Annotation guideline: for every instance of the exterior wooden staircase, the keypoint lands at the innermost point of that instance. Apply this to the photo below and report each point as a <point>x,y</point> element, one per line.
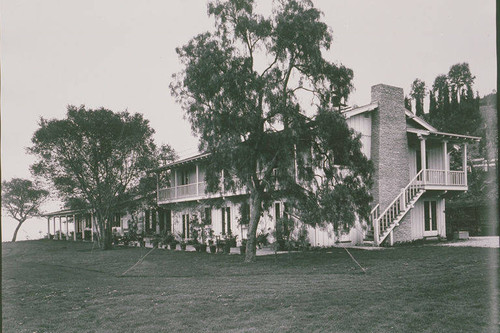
<point>383,224</point>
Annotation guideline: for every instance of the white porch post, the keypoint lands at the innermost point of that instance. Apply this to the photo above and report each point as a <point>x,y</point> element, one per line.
<point>60,227</point>
<point>222,181</point>
<point>197,181</point>
<point>157,186</point>
<point>391,238</point>
<point>175,182</point>
<point>92,227</point>
<point>446,162</point>
<point>74,224</point>
<point>295,168</point>
<point>67,228</point>
<point>54,223</point>
<point>464,162</point>
<point>157,214</point>
<point>423,155</point>
<point>48,227</point>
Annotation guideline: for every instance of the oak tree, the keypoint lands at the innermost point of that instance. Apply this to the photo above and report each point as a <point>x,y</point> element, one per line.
<point>22,199</point>
<point>96,157</point>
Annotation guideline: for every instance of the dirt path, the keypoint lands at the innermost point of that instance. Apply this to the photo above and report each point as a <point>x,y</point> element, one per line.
<point>491,242</point>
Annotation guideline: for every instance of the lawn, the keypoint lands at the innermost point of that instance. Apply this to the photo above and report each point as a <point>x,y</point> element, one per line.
<point>58,286</point>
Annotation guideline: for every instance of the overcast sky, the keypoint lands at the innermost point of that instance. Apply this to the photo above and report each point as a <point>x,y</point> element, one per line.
<point>120,54</point>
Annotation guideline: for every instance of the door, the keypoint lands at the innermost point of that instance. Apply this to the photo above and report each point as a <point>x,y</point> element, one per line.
<point>165,220</point>
<point>430,218</point>
<point>167,213</point>
<point>185,226</point>
<point>418,157</point>
<point>226,220</point>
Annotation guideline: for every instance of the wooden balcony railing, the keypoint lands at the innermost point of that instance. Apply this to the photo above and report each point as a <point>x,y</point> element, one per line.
<point>194,190</point>
<point>181,191</point>
<point>442,177</point>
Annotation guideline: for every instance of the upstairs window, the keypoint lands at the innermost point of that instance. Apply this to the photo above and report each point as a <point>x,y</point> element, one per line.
<point>184,177</point>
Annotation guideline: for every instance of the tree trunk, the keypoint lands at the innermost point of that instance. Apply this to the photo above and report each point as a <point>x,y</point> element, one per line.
<point>17,229</point>
<point>255,212</point>
<point>107,235</point>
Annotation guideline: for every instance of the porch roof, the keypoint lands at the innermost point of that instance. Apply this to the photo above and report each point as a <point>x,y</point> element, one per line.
<point>64,212</point>
<point>443,135</point>
<point>188,160</point>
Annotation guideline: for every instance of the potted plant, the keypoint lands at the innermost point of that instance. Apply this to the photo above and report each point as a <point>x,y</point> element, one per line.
<point>262,239</point>
<point>204,233</point>
<point>203,247</point>
<point>213,247</point>
<point>156,241</point>
<point>169,240</point>
<point>229,242</point>
<point>243,246</point>
<point>196,245</point>
<point>180,240</point>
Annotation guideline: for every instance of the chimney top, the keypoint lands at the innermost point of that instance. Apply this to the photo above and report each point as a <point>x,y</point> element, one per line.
<point>382,93</point>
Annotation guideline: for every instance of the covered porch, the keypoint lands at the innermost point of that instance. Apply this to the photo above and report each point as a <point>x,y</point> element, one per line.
<point>68,224</point>
<point>438,161</point>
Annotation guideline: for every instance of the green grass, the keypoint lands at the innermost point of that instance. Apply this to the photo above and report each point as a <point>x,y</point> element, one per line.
<point>51,286</point>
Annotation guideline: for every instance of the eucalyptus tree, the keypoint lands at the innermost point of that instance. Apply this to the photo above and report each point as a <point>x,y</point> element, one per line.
<point>258,91</point>
<point>418,93</point>
<point>95,157</point>
<point>22,199</point>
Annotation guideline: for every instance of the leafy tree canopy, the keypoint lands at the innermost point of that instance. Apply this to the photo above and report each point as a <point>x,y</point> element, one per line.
<point>418,93</point>
<point>247,88</point>
<point>453,107</point>
<point>22,199</point>
<point>95,157</point>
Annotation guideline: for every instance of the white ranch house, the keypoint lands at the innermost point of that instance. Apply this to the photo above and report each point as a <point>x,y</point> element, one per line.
<point>413,174</point>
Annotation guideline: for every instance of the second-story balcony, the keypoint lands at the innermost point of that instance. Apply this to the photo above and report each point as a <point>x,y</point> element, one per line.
<point>188,192</point>
<point>443,180</point>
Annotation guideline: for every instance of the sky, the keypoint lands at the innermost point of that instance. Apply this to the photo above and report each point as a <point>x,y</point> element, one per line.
<point>120,54</point>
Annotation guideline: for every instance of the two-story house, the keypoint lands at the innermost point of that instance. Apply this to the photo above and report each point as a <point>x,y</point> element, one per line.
<point>415,167</point>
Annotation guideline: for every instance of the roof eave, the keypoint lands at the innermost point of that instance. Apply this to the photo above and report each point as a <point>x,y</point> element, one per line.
<point>452,136</point>
<point>360,109</point>
<point>188,160</point>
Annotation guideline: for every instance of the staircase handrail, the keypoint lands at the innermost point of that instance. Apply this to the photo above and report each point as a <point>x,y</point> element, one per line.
<point>396,199</point>
<point>374,214</point>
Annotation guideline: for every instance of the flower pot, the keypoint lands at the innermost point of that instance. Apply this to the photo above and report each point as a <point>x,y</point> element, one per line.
<point>243,249</point>
<point>213,248</point>
<point>203,248</point>
<point>183,246</point>
<point>172,246</point>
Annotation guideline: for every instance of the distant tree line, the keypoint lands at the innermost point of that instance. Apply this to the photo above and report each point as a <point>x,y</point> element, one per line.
<point>455,108</point>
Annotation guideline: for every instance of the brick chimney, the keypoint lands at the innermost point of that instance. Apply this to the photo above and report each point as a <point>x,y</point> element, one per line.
<point>389,150</point>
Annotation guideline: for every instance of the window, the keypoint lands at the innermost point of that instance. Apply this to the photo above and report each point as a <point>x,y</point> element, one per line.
<point>146,220</point>
<point>277,210</point>
<point>207,218</point>
<point>153,219</point>
<point>116,220</point>
<point>430,216</point>
<point>244,213</point>
<point>184,177</point>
